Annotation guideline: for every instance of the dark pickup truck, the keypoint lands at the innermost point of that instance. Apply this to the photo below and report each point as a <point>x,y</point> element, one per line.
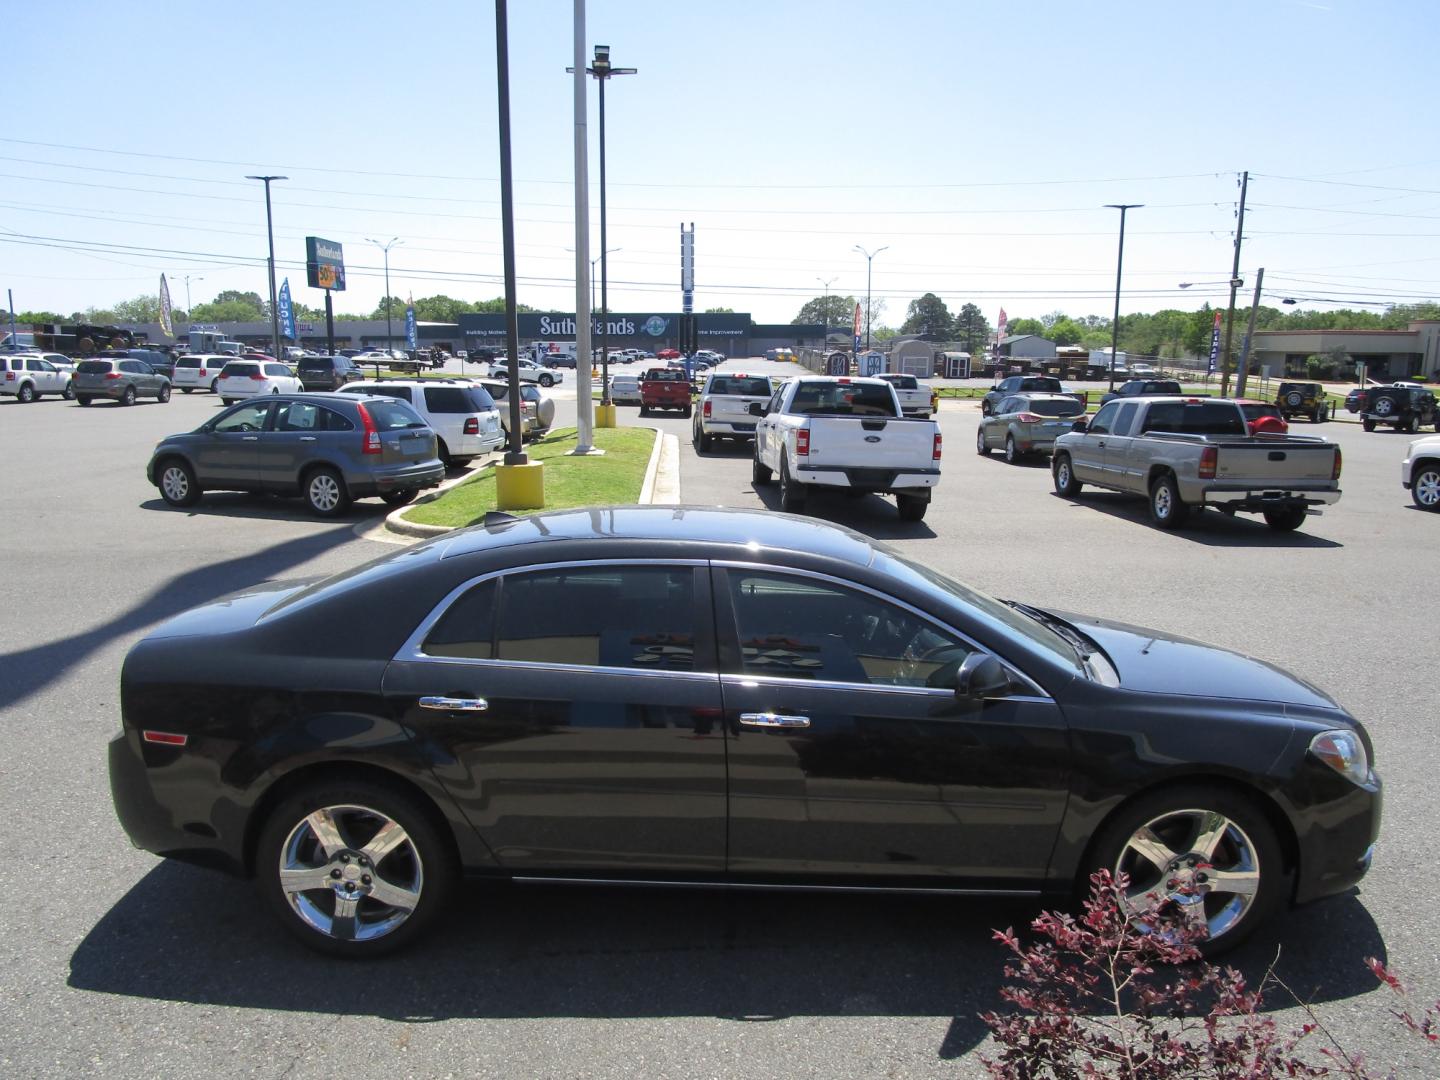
<point>664,388</point>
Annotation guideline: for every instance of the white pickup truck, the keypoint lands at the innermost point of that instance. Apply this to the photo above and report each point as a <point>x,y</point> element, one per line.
<point>913,394</point>
<point>832,432</point>
<point>724,407</point>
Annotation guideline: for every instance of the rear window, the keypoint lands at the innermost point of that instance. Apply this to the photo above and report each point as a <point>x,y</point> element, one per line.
<point>189,362</point>
<point>316,363</point>
<point>1254,412</point>
<point>901,382</point>
<point>457,399</point>
<point>240,370</point>
<point>1057,407</point>
<point>1195,418</point>
<point>400,393</point>
<point>1050,385</point>
<point>753,386</point>
<point>843,399</point>
<point>393,415</point>
<point>94,367</point>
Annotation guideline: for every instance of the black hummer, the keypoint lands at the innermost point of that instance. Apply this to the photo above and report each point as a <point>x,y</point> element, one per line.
<point>1405,408</point>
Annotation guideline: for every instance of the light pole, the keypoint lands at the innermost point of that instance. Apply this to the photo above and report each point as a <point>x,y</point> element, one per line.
<point>1119,263</point>
<point>601,69</point>
<point>593,263</point>
<point>869,260</point>
<point>385,247</point>
<point>188,278</point>
<point>825,310</point>
<point>270,231</point>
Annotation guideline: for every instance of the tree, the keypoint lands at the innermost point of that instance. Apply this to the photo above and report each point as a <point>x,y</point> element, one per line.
<point>1020,327</point>
<point>972,328</point>
<point>496,306</point>
<point>397,309</point>
<point>29,318</point>
<point>1065,330</point>
<point>220,311</point>
<point>252,300</point>
<point>930,318</point>
<point>831,310</point>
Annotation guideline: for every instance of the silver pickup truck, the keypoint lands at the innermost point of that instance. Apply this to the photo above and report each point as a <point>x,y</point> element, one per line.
<point>1183,453</point>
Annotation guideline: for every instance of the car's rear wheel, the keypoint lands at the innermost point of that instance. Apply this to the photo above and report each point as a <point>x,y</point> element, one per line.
<point>1166,509</point>
<point>83,399</point>
<point>911,507</point>
<point>1287,520</point>
<point>325,493</point>
<point>186,389</point>
<point>215,385</point>
<point>26,394</point>
<point>547,380</point>
<point>702,441</point>
<point>644,411</point>
<point>980,446</point>
<point>792,494</point>
<point>687,412</point>
<point>128,398</point>
<point>1368,425</point>
<point>760,475</point>
<point>1425,488</point>
<point>443,452</point>
<point>1413,424</point>
<point>1064,475</point>
<point>398,498</point>
<point>1212,854</point>
<point>178,486</point>
<point>354,868</point>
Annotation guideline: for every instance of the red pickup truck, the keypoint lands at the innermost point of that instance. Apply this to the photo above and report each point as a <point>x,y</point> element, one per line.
<point>664,388</point>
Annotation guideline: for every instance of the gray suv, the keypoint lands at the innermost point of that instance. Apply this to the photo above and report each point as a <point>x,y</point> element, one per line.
<point>120,379</point>
<point>327,372</point>
<point>330,449</point>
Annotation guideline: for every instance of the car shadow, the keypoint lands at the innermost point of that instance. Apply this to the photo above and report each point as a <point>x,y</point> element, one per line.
<point>1209,528</point>
<point>240,504</point>
<point>30,670</point>
<point>593,952</point>
<point>873,515</point>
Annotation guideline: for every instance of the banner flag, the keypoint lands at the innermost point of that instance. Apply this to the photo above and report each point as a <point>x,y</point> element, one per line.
<point>167,325</point>
<point>412,331</point>
<point>857,328</point>
<point>1214,345</point>
<point>287,312</point>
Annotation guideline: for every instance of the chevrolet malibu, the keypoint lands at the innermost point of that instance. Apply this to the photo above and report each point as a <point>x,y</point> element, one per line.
<point>718,697</point>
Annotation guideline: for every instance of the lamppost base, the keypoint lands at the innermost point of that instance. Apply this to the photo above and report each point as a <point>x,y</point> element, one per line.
<point>520,487</point>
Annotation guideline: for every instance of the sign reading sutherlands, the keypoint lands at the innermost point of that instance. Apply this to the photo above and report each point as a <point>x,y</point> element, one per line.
<point>643,326</point>
<point>324,264</point>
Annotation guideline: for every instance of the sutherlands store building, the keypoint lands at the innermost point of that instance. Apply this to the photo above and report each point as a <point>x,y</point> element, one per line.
<point>1386,354</point>
<point>730,334</point>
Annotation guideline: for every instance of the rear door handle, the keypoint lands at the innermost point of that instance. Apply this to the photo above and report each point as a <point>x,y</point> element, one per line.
<point>455,704</point>
<point>307,438</point>
<point>773,720</point>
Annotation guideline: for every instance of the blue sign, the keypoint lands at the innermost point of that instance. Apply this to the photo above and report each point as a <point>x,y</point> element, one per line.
<point>412,332</point>
<point>1214,345</point>
<point>287,312</point>
<point>857,344</point>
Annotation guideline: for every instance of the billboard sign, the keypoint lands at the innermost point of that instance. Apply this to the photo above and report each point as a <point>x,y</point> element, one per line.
<point>324,264</point>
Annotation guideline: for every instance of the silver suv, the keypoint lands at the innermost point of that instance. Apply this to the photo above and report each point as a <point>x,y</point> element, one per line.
<point>464,416</point>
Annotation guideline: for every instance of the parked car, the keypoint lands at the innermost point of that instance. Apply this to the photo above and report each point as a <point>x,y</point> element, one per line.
<point>59,361</point>
<point>1420,472</point>
<point>1188,453</point>
<point>1136,388</point>
<point>330,449</point>
<point>1027,424</point>
<point>1355,399</point>
<point>1404,408</point>
<point>667,354</point>
<point>160,362</point>
<point>465,418</point>
<point>30,376</point>
<point>1019,384</point>
<point>251,378</point>
<point>199,371</point>
<point>665,388</point>
<point>915,396</point>
<point>120,379</point>
<point>533,699</point>
<point>319,373</point>
<point>724,407</point>
<point>1303,399</point>
<point>625,389</point>
<point>1261,416</point>
<point>539,404</point>
<point>529,409</point>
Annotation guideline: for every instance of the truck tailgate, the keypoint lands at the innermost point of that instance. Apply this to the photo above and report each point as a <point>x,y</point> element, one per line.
<point>1282,463</point>
<point>872,442</point>
<point>734,409</point>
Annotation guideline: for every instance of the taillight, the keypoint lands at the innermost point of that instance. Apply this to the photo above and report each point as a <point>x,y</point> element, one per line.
<point>706,412</point>
<point>472,426</point>
<point>371,436</point>
<point>9,376</point>
<point>935,453</point>
<point>1208,457</point>
<point>802,442</point>
<point>202,372</point>
<point>164,738</point>
<point>112,374</point>
<point>1336,474</point>
<point>1029,418</point>
<point>257,378</point>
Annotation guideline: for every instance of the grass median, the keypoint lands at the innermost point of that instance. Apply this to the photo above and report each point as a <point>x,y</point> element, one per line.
<point>615,477</point>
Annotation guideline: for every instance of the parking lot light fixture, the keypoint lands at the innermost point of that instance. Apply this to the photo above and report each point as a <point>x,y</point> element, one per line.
<point>270,233</point>
<point>825,305</point>
<point>1119,264</point>
<point>869,260</point>
<point>385,247</point>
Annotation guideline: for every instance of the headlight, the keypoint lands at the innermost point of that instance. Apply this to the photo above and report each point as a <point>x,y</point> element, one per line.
<point>1344,752</point>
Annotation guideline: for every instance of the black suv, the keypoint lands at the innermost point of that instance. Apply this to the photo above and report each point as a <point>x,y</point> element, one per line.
<point>318,373</point>
<point>1405,408</point>
<point>1303,399</point>
<point>1144,388</point>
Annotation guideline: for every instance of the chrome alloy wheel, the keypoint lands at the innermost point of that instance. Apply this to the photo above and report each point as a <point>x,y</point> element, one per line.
<point>324,492</point>
<point>1164,504</point>
<point>1201,861</point>
<point>1427,489</point>
<point>351,873</point>
<point>175,483</point>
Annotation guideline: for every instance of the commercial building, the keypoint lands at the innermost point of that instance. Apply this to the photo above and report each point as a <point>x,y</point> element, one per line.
<point>1386,354</point>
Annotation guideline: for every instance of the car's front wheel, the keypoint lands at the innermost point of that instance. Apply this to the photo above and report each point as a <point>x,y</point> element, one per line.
<point>1425,488</point>
<point>1209,854</point>
<point>177,484</point>
<point>354,868</point>
<point>325,493</point>
<point>547,381</point>
<point>981,446</point>
<point>1064,474</point>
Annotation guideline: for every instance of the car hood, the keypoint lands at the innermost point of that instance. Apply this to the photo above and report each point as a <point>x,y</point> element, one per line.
<point>1152,661</point>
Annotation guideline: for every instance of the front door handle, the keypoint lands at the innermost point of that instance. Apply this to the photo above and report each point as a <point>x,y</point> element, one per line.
<point>250,438</point>
<point>773,720</point>
<point>307,438</point>
<point>455,704</point>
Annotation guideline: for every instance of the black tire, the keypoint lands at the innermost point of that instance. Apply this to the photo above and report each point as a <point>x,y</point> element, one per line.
<point>792,494</point>
<point>325,493</point>
<point>1367,424</point>
<point>1413,424</point>
<point>83,399</point>
<point>421,866</point>
<point>26,394</point>
<point>687,412</point>
<point>1287,520</point>
<point>1177,819</point>
<point>984,407</point>
<point>1166,509</point>
<point>644,411</point>
<point>398,498</point>
<point>1425,487</point>
<point>1012,452</point>
<point>69,392</point>
<point>186,389</point>
<point>702,441</point>
<point>760,475</point>
<point>164,394</point>
<point>911,507</point>
<point>177,483</point>
<point>980,447</point>
<point>128,398</point>
<point>547,381</point>
<point>215,385</point>
<point>1063,473</point>
<point>443,452</point>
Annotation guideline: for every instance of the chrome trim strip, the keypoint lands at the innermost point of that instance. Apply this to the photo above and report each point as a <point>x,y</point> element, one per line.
<point>769,887</point>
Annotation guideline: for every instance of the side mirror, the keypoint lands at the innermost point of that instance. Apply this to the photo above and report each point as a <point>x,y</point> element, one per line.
<point>1080,425</point>
<point>981,676</point>
<point>757,408</point>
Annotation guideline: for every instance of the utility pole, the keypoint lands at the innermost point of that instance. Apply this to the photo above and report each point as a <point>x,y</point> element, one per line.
<point>869,261</point>
<point>1244,371</point>
<point>270,231</point>
<point>825,309</point>
<point>385,247</point>
<point>1235,283</point>
<point>1119,266</point>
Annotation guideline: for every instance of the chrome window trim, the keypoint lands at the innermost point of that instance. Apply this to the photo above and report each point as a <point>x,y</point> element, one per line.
<point>889,599</point>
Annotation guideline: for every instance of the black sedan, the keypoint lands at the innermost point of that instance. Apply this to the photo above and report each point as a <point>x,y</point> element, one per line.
<point>722,697</point>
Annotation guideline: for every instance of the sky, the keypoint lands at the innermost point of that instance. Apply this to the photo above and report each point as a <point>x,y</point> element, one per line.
<point>977,144</point>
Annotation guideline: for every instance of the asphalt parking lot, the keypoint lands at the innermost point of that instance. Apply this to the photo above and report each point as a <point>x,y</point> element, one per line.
<point>118,964</point>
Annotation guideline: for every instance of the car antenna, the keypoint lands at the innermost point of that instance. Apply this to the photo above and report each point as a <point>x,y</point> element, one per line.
<point>494,518</point>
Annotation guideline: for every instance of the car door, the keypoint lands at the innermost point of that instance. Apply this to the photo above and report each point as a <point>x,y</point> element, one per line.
<point>1120,464</point>
<point>853,758</point>
<point>290,439</point>
<point>227,452</point>
<point>1087,449</point>
<point>572,710</point>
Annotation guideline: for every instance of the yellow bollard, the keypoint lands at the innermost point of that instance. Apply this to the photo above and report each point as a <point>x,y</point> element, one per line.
<point>605,415</point>
<point>520,487</point>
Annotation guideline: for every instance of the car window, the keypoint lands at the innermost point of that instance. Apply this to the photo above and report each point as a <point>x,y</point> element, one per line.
<point>1055,406</point>
<point>299,416</point>
<point>276,369</point>
<point>1102,422</point>
<point>239,370</point>
<point>244,419</point>
<point>595,616</point>
<point>393,415</point>
<point>804,628</point>
<point>1195,417</point>
<point>401,393</point>
<point>1125,418</point>
<point>93,367</point>
<point>842,399</point>
<point>335,422</point>
<point>1008,405</point>
<point>448,399</point>
<point>739,384</point>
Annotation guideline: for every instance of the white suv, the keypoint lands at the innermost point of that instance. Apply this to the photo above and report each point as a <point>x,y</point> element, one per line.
<point>29,375</point>
<point>464,416</point>
<point>199,371</point>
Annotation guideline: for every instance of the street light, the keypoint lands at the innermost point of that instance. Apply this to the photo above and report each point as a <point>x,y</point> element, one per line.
<point>270,231</point>
<point>593,262</point>
<point>188,279</point>
<point>1119,264</point>
<point>386,249</point>
<point>825,311</point>
<point>869,259</point>
<point>601,69</point>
